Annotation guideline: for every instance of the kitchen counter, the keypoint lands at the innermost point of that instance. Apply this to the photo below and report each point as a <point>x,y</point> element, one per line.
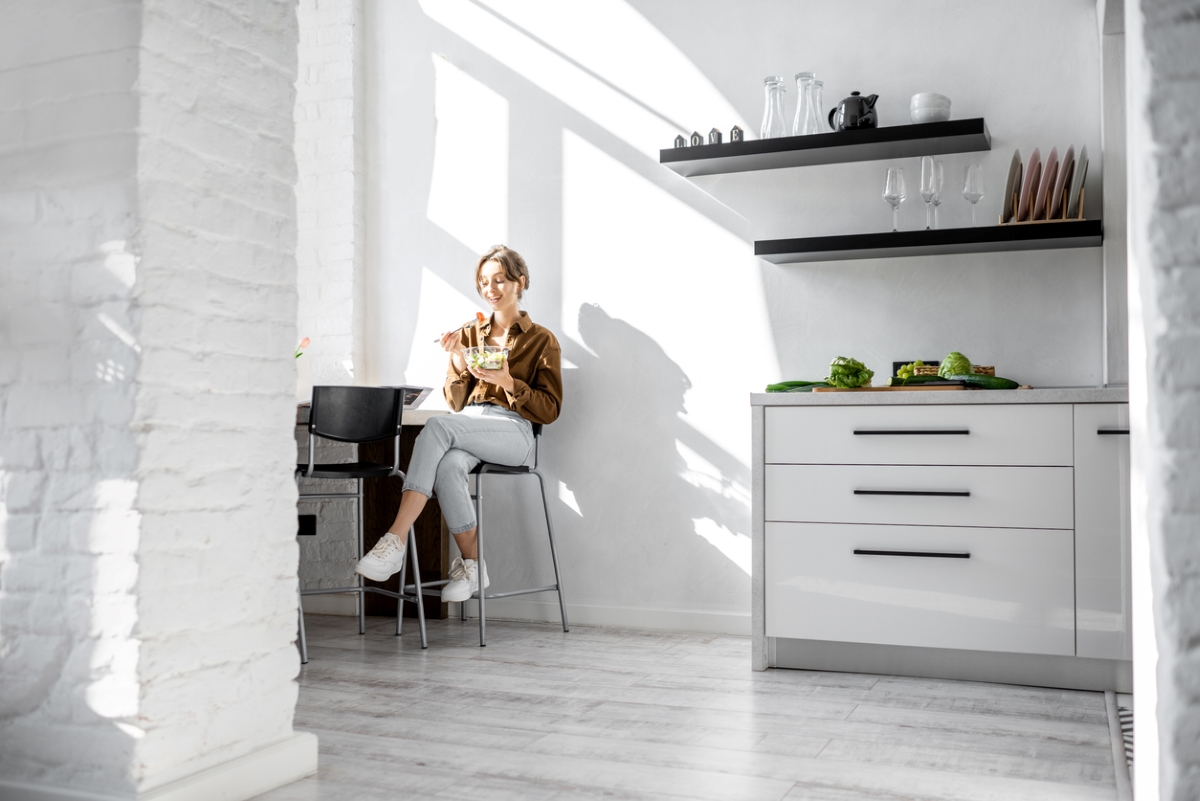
<point>944,397</point>
<point>1017,550</point>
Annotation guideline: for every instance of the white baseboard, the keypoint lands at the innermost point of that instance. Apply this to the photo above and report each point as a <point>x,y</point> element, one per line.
<point>236,780</point>
<point>627,617</point>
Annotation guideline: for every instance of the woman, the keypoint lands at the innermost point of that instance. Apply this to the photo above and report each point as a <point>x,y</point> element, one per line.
<point>496,409</point>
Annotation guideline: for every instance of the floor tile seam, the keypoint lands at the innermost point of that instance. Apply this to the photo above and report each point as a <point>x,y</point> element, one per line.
<point>443,676</point>
<point>981,717</point>
<point>953,751</point>
<point>737,770</point>
<point>571,691</point>
<point>568,786</point>
<point>694,772</point>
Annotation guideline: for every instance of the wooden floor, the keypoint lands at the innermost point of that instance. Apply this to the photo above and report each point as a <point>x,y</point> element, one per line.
<point>620,714</point>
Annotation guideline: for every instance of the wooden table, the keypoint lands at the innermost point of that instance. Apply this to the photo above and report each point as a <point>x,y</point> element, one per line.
<point>381,499</point>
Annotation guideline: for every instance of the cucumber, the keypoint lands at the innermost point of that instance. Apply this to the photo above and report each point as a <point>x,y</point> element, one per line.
<point>897,381</point>
<point>985,381</point>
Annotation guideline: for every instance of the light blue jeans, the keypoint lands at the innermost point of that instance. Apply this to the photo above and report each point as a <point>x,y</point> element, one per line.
<point>452,445</point>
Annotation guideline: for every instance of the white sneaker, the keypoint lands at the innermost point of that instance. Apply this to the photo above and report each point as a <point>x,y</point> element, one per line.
<point>464,580</point>
<point>384,560</point>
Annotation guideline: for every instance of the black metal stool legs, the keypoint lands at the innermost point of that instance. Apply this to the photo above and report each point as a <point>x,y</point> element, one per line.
<point>303,639</point>
<point>416,598</point>
<point>479,555</point>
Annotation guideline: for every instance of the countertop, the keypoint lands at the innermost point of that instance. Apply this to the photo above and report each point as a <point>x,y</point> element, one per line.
<point>1114,394</point>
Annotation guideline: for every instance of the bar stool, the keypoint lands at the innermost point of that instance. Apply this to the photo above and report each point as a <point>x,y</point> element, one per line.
<point>359,415</point>
<point>481,470</point>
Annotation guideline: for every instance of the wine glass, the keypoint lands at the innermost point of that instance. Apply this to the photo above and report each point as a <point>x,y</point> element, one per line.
<point>894,193</point>
<point>939,181</point>
<point>927,188</point>
<point>973,187</point>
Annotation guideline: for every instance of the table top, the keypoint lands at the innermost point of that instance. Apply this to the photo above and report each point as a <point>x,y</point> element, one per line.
<point>415,417</point>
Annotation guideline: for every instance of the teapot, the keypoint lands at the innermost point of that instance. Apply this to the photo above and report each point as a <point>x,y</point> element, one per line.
<point>854,112</point>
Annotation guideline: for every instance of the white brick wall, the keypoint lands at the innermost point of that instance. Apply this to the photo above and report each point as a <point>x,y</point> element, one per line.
<point>329,255</point>
<point>1163,67</point>
<point>68,458</point>
<point>147,556</point>
<point>329,192</point>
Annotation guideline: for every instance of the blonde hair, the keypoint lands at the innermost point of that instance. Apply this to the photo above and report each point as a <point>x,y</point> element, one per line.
<point>514,266</point>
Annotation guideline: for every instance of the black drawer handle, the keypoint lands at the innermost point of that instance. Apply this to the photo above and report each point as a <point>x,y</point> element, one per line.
<point>1112,431</point>
<point>941,494</point>
<point>922,554</point>
<point>912,432</point>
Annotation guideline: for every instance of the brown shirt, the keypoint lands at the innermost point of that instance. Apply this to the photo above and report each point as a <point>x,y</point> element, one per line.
<point>534,360</point>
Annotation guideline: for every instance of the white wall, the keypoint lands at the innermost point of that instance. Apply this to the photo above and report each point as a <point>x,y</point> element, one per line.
<point>147,532</point>
<point>539,125</point>
<point>329,190</point>
<point>68,457</point>
<point>1163,72</point>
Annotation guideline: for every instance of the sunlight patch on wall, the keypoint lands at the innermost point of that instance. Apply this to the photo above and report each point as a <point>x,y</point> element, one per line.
<point>441,307</point>
<point>113,533</point>
<point>468,197</point>
<point>704,474</point>
<point>568,498</point>
<point>735,547</point>
<point>678,279</point>
<point>571,85</point>
<point>585,32</point>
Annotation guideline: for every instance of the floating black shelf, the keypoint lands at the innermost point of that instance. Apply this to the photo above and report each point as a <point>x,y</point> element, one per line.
<point>873,144</point>
<point>892,244</point>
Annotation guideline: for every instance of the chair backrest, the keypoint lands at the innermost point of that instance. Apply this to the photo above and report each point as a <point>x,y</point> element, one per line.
<point>356,414</point>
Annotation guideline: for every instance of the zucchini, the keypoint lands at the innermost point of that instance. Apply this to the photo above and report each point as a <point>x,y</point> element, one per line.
<point>897,381</point>
<point>985,381</point>
<point>794,386</point>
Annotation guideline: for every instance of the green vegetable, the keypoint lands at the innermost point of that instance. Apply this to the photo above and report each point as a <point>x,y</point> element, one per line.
<point>954,364</point>
<point>795,386</point>
<point>899,381</point>
<point>848,373</point>
<point>984,381</point>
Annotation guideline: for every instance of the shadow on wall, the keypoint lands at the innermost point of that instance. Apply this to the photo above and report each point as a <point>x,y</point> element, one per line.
<point>617,451</point>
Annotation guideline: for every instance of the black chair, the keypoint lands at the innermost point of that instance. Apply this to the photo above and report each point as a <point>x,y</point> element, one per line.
<point>487,468</point>
<point>358,415</point>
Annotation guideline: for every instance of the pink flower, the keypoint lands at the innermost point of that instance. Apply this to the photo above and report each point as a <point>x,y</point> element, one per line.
<point>304,343</point>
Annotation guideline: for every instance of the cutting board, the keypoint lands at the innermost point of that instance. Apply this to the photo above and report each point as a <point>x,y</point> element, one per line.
<point>913,388</point>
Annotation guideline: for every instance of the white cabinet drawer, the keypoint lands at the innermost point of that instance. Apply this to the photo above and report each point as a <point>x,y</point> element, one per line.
<point>995,497</point>
<point>1103,598</point>
<point>1014,593</point>
<point>1013,434</point>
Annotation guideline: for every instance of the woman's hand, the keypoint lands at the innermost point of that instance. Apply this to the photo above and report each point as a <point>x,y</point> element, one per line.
<point>501,378</point>
<point>451,342</point>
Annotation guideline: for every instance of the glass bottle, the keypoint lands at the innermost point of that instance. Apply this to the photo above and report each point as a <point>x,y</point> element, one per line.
<point>814,113</point>
<point>803,82</point>
<point>773,124</point>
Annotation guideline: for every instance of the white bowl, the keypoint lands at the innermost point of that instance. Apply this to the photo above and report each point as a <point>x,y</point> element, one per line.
<point>920,115</point>
<point>925,99</point>
<point>914,106</point>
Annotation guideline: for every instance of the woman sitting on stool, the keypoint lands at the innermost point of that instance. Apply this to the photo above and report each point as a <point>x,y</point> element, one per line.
<point>496,409</point>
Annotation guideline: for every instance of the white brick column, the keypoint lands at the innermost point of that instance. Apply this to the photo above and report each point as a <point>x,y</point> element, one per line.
<point>147,511</point>
<point>1163,90</point>
<point>329,192</point>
